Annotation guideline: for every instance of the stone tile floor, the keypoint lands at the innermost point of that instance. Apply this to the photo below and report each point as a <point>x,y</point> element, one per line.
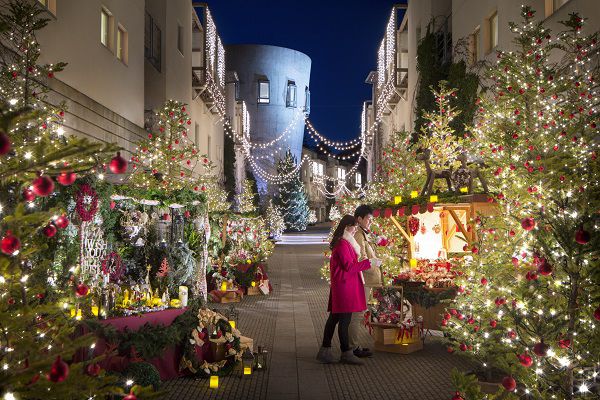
<point>289,323</point>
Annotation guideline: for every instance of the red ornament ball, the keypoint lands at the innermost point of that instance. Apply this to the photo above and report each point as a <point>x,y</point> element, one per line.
<point>544,267</point>
<point>541,349</point>
<point>5,144</point>
<point>59,371</point>
<point>130,396</point>
<point>582,236</point>
<point>43,186</point>
<point>66,178</point>
<point>484,281</point>
<point>93,369</point>
<point>82,290</point>
<point>62,222</point>
<point>597,313</point>
<point>493,323</point>
<point>49,230</point>
<point>528,223</point>
<point>10,243</point>
<point>509,383</point>
<point>112,205</point>
<point>462,347</point>
<point>564,343</point>
<point>28,195</point>
<point>525,360</point>
<point>457,396</point>
<point>118,165</point>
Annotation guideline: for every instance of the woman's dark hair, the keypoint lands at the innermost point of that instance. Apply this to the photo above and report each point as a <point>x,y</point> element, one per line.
<point>347,220</point>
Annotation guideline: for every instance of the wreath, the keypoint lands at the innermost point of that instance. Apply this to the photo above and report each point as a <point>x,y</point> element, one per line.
<point>213,332</point>
<point>86,202</point>
<point>112,265</point>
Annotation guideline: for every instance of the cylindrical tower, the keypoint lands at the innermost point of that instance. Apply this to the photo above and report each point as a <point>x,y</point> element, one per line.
<point>274,82</point>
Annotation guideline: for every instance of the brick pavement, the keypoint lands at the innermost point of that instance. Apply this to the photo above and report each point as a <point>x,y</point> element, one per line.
<point>290,321</point>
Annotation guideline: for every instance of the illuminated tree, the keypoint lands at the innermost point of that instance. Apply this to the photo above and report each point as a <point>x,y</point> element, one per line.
<point>291,197</point>
<point>245,199</point>
<point>528,302</point>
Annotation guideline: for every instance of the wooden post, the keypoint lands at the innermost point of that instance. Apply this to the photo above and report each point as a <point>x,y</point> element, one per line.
<point>409,238</point>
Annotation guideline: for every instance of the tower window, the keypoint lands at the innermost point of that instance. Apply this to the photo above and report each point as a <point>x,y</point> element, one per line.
<point>290,99</point>
<point>263,92</point>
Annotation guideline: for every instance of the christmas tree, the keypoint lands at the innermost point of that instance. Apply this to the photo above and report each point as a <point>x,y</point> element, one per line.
<point>528,303</point>
<point>38,335</point>
<point>245,199</point>
<point>274,220</point>
<point>291,196</point>
<point>167,160</point>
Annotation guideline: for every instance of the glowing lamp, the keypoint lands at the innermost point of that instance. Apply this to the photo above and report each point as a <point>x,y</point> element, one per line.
<point>414,194</point>
<point>433,198</point>
<point>253,284</point>
<point>397,199</point>
<point>464,189</point>
<point>95,310</point>
<point>214,382</point>
<point>247,362</point>
<point>413,263</point>
<point>232,323</point>
<point>223,286</point>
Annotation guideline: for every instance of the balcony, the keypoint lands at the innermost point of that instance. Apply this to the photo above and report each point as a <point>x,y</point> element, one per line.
<point>208,60</point>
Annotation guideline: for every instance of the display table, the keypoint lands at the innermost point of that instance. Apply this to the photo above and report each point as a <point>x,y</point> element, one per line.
<point>167,364</point>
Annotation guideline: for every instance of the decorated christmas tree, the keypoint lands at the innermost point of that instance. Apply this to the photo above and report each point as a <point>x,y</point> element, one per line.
<point>167,160</point>
<point>274,220</point>
<point>291,196</point>
<point>528,303</point>
<point>245,199</point>
<point>38,340</point>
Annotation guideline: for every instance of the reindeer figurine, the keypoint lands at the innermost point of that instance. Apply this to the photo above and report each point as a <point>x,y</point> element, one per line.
<point>465,175</point>
<point>433,174</point>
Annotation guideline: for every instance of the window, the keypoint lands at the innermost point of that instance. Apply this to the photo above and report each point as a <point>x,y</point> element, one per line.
<point>318,169</point>
<point>197,134</point>
<point>105,27</point>
<point>49,4</point>
<point>358,179</point>
<point>493,22</point>
<point>180,38</point>
<point>307,100</point>
<point>263,92</point>
<point>152,42</point>
<point>475,46</point>
<point>341,173</point>
<point>290,99</point>
<point>122,49</point>
<point>208,146</point>
<point>237,90</point>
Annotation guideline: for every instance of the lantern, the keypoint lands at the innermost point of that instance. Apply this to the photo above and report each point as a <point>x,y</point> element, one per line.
<point>247,362</point>
<point>214,382</point>
<point>397,199</point>
<point>414,194</point>
<point>433,198</point>
<point>176,226</point>
<point>260,359</point>
<point>232,316</point>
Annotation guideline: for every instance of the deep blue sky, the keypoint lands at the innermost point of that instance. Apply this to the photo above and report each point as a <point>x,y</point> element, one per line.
<point>340,37</point>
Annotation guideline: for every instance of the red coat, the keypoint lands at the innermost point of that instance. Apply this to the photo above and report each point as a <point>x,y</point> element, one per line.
<point>347,293</point>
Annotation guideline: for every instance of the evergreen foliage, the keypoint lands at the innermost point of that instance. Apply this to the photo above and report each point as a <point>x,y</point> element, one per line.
<point>291,196</point>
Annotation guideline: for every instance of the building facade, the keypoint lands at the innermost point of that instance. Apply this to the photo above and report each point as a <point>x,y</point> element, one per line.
<point>125,59</point>
<point>479,25</point>
<point>274,84</point>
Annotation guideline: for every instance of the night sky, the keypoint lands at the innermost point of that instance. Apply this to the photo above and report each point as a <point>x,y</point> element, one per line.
<point>340,37</point>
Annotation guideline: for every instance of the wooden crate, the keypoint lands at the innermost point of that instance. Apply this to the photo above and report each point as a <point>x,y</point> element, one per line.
<point>253,291</point>
<point>386,339</point>
<point>432,316</point>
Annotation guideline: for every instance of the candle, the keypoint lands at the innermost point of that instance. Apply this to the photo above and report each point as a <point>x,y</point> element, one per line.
<point>253,284</point>
<point>214,382</point>
<point>232,323</point>
<point>464,189</point>
<point>397,199</point>
<point>247,371</point>
<point>95,310</point>
<point>433,198</point>
<point>414,194</point>
<point>224,286</point>
<point>183,295</point>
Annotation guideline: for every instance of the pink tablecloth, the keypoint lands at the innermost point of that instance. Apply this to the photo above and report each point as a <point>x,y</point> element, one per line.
<point>167,364</point>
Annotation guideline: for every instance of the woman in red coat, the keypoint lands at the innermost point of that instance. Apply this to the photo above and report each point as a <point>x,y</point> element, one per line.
<point>347,293</point>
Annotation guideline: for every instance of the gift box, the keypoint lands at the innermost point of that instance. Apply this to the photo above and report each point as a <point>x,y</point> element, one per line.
<point>394,339</point>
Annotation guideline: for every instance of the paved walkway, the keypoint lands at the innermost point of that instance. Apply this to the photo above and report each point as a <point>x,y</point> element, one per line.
<point>289,323</point>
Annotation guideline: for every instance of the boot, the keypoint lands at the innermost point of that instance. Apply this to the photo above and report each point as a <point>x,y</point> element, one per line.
<point>325,356</point>
<point>348,357</point>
